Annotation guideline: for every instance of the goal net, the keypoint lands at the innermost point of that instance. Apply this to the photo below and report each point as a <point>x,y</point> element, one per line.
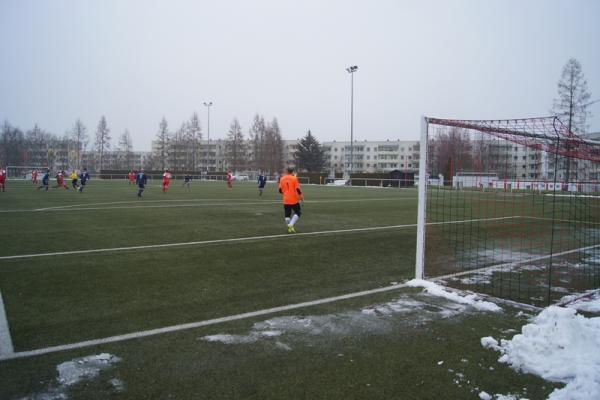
<point>509,208</point>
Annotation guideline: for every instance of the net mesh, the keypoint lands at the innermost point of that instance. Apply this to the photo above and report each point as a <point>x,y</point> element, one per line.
<point>513,208</point>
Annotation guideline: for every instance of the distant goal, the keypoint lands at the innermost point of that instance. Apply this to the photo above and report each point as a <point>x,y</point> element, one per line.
<point>510,208</point>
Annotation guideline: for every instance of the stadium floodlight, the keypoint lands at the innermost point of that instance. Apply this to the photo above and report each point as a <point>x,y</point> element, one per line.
<point>351,70</point>
<point>497,214</point>
<point>208,105</point>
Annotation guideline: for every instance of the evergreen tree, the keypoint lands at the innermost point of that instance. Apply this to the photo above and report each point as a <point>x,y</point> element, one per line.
<point>310,154</point>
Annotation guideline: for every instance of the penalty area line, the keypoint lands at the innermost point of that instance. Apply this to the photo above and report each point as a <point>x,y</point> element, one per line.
<point>242,239</point>
<point>193,325</point>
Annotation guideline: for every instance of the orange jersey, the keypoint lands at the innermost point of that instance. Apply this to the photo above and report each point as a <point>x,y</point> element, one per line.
<point>289,187</point>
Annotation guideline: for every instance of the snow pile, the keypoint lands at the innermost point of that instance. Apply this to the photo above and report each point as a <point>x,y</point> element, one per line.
<point>471,299</point>
<point>588,302</point>
<point>77,370</point>
<point>560,346</point>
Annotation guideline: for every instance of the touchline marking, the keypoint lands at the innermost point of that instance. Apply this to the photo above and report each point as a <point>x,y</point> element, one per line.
<point>83,207</point>
<point>193,325</point>
<point>124,202</point>
<point>6,345</point>
<point>242,239</point>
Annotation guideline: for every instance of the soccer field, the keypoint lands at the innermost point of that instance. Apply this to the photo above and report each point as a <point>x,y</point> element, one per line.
<point>105,272</point>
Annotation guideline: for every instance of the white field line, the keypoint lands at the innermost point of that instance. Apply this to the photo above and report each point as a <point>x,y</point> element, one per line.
<point>587,196</point>
<point>83,207</point>
<point>192,325</point>
<point>513,263</point>
<point>126,202</point>
<point>242,239</point>
<point>571,221</point>
<point>6,345</point>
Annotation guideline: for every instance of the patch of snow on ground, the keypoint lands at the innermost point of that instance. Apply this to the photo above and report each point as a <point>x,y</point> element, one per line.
<point>77,370</point>
<point>470,299</point>
<point>560,346</point>
<point>373,319</point>
<point>71,372</point>
<point>485,396</point>
<point>588,301</point>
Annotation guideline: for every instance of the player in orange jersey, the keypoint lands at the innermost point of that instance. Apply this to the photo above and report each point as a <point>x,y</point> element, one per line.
<point>131,178</point>
<point>289,187</point>
<point>166,181</point>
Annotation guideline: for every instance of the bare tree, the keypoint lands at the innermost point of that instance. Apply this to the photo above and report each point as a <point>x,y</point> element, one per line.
<point>193,138</point>
<point>452,153</point>
<point>573,96</point>
<point>102,141</point>
<point>79,137</point>
<point>178,154</point>
<point>125,151</point>
<point>38,145</point>
<point>257,135</point>
<point>235,147</point>
<point>161,148</point>
<point>571,104</point>
<point>273,148</point>
<point>13,149</point>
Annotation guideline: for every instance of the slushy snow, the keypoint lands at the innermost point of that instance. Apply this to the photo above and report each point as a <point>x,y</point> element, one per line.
<point>558,345</point>
<point>471,299</point>
<point>75,371</point>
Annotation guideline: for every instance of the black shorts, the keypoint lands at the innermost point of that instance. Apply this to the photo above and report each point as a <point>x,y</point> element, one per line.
<point>292,207</point>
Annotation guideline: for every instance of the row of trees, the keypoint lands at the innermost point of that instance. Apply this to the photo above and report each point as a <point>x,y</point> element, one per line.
<point>261,150</point>
<point>38,147</point>
<point>179,150</point>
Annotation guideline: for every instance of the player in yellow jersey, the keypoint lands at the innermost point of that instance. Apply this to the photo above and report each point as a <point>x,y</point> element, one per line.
<point>74,178</point>
<point>289,187</point>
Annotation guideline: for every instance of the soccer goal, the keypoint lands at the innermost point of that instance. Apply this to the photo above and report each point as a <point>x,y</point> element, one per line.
<point>509,208</point>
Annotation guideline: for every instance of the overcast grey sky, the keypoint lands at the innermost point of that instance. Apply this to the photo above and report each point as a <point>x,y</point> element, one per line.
<point>137,61</point>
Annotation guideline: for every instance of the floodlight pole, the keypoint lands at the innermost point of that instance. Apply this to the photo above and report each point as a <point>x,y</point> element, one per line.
<point>421,220</point>
<point>208,105</point>
<point>351,70</point>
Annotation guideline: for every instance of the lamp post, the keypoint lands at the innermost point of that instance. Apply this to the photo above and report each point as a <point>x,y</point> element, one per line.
<point>351,70</point>
<point>208,105</point>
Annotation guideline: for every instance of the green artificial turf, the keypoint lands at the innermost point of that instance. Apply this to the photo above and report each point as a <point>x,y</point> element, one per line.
<point>62,299</point>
